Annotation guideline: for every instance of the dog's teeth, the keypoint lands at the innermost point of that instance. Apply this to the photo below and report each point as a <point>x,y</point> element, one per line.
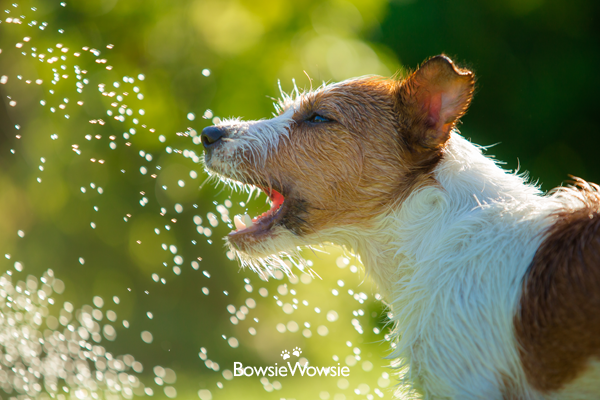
<point>239,224</point>
<point>247,220</point>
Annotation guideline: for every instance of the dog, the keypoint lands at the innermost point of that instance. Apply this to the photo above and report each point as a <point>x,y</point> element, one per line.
<point>494,287</point>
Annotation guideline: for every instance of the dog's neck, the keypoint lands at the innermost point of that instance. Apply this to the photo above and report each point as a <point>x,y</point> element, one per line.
<point>452,258</point>
<point>466,184</point>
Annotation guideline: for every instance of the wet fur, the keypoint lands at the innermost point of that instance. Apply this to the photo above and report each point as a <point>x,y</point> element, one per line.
<point>493,286</point>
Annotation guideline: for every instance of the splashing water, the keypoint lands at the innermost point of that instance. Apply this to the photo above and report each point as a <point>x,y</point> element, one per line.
<point>38,361</point>
<point>94,127</point>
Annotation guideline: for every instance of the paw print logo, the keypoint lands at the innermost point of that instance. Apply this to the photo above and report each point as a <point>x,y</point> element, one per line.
<point>297,351</point>
<point>285,354</point>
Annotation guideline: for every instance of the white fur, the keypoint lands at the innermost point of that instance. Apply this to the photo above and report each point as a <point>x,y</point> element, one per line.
<point>451,262</point>
<point>257,137</point>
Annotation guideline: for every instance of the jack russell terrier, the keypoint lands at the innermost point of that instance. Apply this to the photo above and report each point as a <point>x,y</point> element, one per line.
<point>494,286</point>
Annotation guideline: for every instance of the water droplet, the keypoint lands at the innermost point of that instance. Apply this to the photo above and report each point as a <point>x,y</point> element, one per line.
<point>322,330</point>
<point>147,337</point>
<point>292,326</point>
<point>332,316</point>
<point>170,392</point>
<point>191,116</point>
<point>206,72</point>
<point>98,301</point>
<point>282,289</point>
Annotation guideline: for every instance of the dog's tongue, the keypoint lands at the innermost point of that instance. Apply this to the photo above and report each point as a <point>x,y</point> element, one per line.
<point>277,199</point>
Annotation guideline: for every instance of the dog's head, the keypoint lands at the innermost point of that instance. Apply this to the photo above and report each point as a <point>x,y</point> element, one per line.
<point>338,156</point>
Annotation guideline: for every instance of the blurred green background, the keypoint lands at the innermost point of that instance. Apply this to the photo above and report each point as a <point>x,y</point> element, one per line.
<point>535,101</point>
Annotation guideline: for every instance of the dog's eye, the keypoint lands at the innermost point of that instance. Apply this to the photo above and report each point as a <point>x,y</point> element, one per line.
<point>316,118</point>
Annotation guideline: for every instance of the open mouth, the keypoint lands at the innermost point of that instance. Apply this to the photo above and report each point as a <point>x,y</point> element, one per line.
<point>260,225</point>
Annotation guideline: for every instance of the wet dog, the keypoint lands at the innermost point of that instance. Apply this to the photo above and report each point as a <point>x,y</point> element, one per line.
<point>494,287</point>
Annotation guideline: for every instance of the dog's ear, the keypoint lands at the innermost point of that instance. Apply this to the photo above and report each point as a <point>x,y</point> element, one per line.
<point>432,99</point>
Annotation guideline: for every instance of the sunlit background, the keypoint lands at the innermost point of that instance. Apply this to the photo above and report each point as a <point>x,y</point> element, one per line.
<point>116,282</point>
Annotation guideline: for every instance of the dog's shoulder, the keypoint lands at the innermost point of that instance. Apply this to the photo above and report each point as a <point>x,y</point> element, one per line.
<point>558,324</point>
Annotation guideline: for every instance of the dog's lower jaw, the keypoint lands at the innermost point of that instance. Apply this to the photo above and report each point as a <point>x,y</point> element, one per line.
<point>273,251</point>
<point>258,246</point>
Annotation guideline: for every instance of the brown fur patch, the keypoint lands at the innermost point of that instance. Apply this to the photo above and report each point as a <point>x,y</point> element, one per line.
<point>330,166</point>
<point>558,326</point>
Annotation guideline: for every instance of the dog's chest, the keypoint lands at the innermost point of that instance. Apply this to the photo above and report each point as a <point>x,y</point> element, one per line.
<point>459,286</point>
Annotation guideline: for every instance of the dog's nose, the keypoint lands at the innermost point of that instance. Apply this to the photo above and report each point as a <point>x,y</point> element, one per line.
<point>211,135</point>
